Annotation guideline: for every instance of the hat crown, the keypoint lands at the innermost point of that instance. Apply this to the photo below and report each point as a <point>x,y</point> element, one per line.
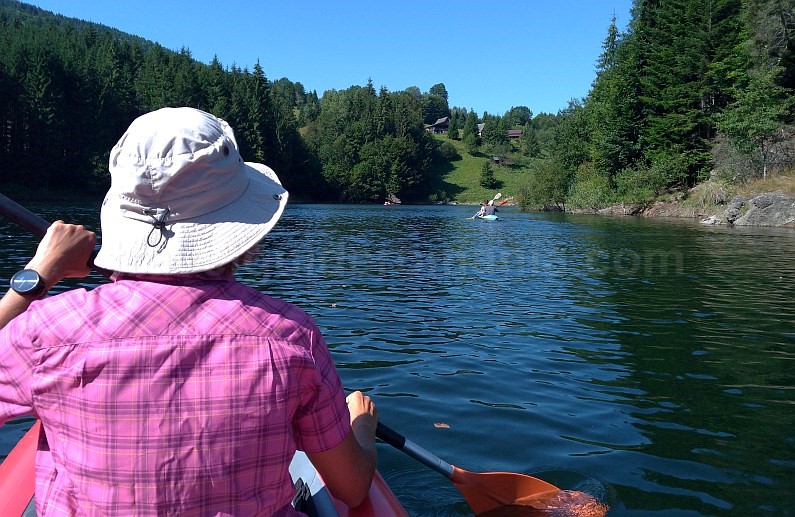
<point>174,156</point>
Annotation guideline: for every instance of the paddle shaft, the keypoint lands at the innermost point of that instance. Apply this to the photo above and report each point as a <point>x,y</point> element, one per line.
<point>23,217</point>
<point>401,443</point>
<point>36,225</point>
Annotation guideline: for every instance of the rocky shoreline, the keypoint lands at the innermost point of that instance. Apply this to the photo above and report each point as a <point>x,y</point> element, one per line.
<point>768,209</point>
<point>764,209</point>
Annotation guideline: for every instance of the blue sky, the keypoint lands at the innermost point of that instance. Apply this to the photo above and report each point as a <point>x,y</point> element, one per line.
<point>490,54</point>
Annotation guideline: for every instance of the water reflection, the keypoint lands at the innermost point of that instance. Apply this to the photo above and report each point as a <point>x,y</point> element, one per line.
<point>691,336</point>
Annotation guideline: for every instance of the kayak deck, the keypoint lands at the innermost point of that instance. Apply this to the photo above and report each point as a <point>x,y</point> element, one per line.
<point>380,502</point>
<point>17,483</point>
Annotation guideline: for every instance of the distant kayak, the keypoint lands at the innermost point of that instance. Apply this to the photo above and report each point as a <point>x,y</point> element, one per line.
<point>17,485</point>
<point>487,217</point>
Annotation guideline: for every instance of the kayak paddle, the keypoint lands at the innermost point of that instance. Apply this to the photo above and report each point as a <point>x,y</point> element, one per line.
<point>483,492</point>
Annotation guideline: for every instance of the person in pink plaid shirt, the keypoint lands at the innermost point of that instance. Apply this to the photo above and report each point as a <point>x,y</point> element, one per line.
<point>175,389</point>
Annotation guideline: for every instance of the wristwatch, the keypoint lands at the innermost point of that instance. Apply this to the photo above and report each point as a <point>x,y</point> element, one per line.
<point>28,283</point>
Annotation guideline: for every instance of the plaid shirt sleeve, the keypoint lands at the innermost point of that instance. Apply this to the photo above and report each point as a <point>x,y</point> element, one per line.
<point>15,370</point>
<point>322,420</point>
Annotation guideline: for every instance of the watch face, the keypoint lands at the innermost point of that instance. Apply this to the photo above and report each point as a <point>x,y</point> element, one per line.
<point>26,281</point>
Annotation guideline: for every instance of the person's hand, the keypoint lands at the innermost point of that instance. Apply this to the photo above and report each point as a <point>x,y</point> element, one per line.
<point>348,467</point>
<point>364,416</point>
<point>63,253</point>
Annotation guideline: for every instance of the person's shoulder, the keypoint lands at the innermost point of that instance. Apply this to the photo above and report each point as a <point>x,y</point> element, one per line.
<point>61,311</point>
<point>276,306</point>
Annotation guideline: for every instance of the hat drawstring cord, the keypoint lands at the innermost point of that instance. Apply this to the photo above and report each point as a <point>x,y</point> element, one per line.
<point>159,223</point>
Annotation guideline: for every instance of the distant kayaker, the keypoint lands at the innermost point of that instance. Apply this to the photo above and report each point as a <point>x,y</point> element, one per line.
<point>175,389</point>
<point>486,208</point>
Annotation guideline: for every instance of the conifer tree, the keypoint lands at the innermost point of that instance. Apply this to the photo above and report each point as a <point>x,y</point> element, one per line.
<point>470,131</point>
<point>529,142</point>
<point>613,108</point>
<point>487,179</point>
<point>756,120</point>
<point>452,129</point>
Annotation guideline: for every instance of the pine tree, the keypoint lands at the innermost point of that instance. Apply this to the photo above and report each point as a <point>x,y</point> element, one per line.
<point>487,179</point>
<point>756,120</point>
<point>452,129</point>
<point>494,134</point>
<point>613,109</point>
<point>470,131</point>
<point>675,43</point>
<point>215,84</point>
<point>529,142</point>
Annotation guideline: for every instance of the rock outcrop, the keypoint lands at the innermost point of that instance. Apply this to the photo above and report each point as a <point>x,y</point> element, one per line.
<point>768,209</point>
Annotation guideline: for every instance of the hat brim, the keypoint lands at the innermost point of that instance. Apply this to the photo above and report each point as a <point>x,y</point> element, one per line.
<point>200,244</point>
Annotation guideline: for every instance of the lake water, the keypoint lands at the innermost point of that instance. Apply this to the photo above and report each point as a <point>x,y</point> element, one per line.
<point>648,362</point>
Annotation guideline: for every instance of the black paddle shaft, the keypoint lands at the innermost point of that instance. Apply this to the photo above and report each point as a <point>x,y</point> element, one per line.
<point>36,225</point>
<point>401,443</point>
<point>23,217</point>
<point>391,437</point>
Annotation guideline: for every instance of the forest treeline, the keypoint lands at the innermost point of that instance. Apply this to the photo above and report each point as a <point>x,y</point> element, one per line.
<point>69,89</point>
<point>690,88</point>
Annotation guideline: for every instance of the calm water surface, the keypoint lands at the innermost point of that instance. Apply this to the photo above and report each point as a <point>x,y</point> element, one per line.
<point>650,363</point>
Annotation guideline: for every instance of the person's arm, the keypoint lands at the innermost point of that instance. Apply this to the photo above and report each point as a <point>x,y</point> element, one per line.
<point>62,253</point>
<point>348,467</point>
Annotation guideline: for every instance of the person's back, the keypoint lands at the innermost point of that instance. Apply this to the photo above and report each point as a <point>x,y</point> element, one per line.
<point>175,389</point>
<point>185,403</point>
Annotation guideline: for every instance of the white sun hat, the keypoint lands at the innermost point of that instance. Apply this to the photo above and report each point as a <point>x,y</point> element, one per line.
<point>182,200</point>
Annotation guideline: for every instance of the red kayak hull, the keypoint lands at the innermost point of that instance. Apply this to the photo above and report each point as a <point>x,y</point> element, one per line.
<point>17,474</point>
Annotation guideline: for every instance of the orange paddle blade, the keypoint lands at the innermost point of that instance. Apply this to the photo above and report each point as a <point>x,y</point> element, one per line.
<point>568,503</point>
<point>489,490</point>
<point>506,493</point>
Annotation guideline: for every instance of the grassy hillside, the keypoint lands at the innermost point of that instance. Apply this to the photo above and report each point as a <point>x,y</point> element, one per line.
<point>460,179</point>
